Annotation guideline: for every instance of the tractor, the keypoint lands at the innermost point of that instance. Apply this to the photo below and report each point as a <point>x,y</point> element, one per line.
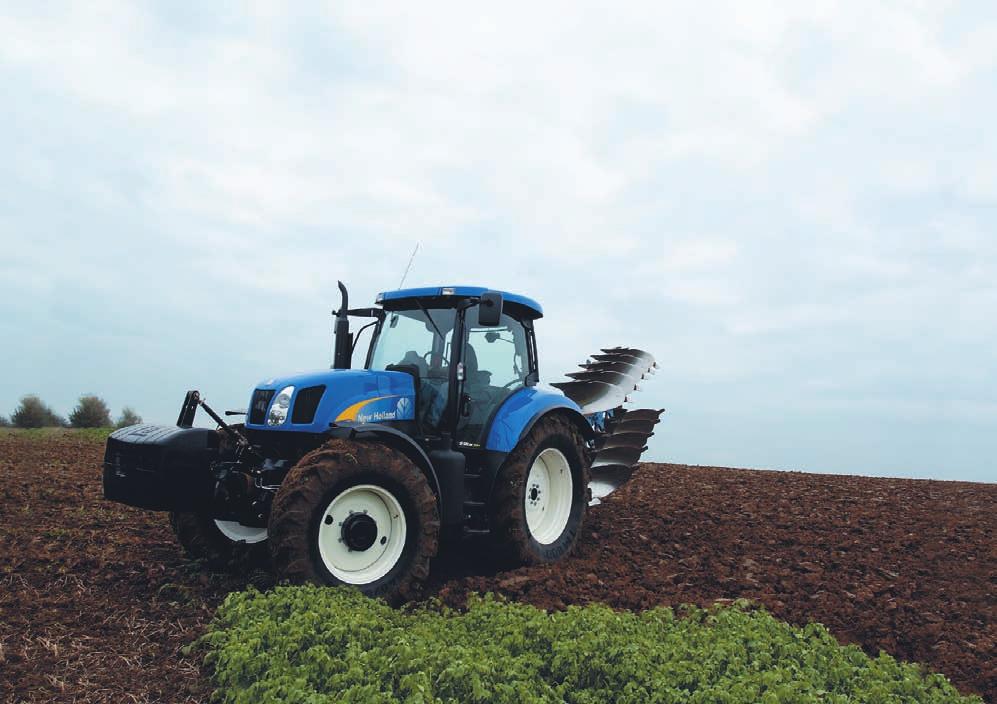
<point>357,476</point>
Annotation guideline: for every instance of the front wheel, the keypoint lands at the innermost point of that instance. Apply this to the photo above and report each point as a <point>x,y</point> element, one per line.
<point>541,493</point>
<point>356,514</point>
<point>224,545</point>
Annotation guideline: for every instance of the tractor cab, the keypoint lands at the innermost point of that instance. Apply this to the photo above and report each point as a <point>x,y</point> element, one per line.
<point>467,350</point>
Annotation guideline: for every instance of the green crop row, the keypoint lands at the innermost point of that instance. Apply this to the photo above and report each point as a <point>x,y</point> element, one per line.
<point>313,645</point>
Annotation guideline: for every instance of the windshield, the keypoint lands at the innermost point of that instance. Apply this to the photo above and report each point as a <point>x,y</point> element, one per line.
<point>421,338</point>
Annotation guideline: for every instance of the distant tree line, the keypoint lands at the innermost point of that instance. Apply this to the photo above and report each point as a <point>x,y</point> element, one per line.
<point>90,412</point>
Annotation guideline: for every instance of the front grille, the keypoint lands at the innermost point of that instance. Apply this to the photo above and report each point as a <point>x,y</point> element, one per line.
<point>306,403</point>
<point>259,406</point>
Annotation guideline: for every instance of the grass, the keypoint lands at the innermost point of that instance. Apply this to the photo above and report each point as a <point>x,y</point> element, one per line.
<point>314,645</point>
<point>42,434</point>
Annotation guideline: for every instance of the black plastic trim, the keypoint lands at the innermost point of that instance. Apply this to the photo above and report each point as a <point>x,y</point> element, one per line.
<point>487,463</point>
<point>306,403</point>
<point>259,405</point>
<point>161,468</point>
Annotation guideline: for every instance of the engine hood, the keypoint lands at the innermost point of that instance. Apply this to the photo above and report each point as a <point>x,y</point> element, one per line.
<point>334,396</point>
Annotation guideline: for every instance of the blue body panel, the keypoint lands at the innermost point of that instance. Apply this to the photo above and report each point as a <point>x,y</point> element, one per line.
<point>519,411</point>
<point>352,396</point>
<point>458,292</point>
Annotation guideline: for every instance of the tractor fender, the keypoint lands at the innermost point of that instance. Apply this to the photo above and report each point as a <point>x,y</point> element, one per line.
<point>515,419</point>
<point>521,411</point>
<point>394,439</point>
<point>574,415</point>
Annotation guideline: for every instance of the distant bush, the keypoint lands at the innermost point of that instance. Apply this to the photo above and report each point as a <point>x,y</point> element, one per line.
<point>313,644</point>
<point>5,422</point>
<point>34,413</point>
<point>128,417</point>
<point>90,412</point>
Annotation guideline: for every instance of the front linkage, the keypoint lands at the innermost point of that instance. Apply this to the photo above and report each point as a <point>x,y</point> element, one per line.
<point>196,470</point>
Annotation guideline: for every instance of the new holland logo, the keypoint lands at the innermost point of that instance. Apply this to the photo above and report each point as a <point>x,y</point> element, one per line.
<point>398,410</point>
<point>375,410</point>
<point>375,416</point>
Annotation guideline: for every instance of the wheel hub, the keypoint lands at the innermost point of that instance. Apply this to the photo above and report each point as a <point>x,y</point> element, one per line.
<point>359,531</point>
<point>535,494</point>
<point>362,534</point>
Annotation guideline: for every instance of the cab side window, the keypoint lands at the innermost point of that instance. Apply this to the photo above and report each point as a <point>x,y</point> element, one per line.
<point>496,363</point>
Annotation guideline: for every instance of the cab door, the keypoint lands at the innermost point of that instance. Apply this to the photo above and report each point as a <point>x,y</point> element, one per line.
<point>496,362</point>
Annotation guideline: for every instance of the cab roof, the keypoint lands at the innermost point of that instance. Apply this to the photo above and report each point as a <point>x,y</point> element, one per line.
<point>532,307</point>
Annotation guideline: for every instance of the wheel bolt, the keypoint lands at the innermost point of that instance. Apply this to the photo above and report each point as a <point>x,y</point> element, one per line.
<point>328,520</point>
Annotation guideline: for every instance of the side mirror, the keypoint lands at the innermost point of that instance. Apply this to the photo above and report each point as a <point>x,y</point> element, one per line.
<point>490,309</point>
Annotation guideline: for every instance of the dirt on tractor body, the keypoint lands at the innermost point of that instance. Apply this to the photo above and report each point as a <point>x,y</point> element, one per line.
<point>97,601</point>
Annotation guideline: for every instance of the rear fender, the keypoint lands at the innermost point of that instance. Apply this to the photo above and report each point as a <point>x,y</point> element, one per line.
<point>521,411</point>
<point>515,419</point>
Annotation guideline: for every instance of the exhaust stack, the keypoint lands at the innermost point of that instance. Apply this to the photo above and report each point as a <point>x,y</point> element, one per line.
<point>342,356</point>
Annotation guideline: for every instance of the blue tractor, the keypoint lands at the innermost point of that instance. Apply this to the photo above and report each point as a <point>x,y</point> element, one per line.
<point>354,476</point>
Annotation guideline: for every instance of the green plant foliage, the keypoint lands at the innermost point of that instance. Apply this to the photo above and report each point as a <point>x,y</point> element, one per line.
<point>310,645</point>
<point>93,433</point>
<point>43,435</point>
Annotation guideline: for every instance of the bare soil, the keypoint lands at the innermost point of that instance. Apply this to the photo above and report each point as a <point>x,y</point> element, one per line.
<point>97,601</point>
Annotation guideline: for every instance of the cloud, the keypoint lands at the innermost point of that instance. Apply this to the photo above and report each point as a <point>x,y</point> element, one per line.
<point>763,195</point>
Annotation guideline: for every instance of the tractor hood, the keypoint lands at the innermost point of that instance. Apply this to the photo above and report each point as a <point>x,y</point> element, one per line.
<point>317,400</point>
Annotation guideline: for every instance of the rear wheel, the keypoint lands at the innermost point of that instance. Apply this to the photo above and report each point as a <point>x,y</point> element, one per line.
<point>356,514</point>
<point>541,493</point>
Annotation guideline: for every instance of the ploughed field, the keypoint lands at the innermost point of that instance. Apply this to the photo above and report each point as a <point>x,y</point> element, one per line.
<point>97,602</point>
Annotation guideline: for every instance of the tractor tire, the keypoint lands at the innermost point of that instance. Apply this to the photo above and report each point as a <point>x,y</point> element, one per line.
<point>358,514</point>
<point>541,494</point>
<point>223,545</point>
<point>202,538</point>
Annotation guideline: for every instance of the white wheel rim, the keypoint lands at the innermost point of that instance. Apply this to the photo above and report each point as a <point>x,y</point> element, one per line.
<point>368,565</point>
<point>549,489</point>
<point>239,533</point>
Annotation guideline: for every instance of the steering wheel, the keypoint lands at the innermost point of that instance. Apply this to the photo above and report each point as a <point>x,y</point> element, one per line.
<point>511,383</point>
<point>426,357</point>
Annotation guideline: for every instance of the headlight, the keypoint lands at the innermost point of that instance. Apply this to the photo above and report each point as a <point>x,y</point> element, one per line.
<point>278,409</point>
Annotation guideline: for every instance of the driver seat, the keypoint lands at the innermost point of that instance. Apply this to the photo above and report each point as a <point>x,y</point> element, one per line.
<point>477,385</point>
<point>474,377</point>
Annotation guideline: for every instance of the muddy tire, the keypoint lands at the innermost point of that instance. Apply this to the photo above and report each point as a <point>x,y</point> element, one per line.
<point>226,547</point>
<point>202,539</point>
<point>360,514</point>
<point>541,494</point>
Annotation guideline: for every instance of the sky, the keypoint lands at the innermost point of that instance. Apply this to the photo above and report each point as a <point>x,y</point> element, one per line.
<point>793,206</point>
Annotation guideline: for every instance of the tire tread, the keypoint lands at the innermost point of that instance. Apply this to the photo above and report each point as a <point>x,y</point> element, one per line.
<point>508,514</point>
<point>306,486</point>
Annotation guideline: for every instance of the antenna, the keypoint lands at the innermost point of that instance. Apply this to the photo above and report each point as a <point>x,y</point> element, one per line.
<point>405,275</point>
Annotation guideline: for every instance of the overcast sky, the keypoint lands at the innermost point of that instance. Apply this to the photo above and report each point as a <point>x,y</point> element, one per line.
<point>792,205</point>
